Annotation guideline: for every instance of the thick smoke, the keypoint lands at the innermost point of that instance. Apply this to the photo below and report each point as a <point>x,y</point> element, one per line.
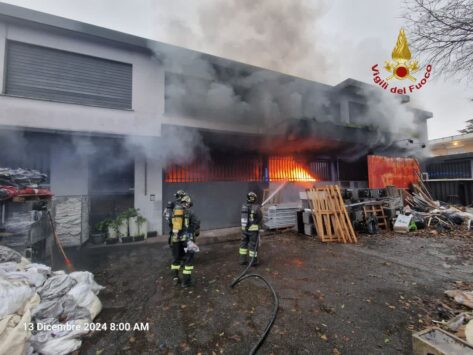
<point>280,35</point>
<point>284,36</point>
<point>205,88</point>
<point>177,145</point>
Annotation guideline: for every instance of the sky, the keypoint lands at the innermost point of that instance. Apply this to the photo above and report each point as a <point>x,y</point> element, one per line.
<point>327,41</point>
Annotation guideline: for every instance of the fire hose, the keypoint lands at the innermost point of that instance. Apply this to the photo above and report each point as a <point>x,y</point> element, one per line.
<point>245,276</point>
<point>67,261</point>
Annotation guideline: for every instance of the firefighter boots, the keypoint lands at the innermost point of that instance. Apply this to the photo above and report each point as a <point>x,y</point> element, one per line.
<point>175,277</point>
<point>187,281</point>
<point>243,259</point>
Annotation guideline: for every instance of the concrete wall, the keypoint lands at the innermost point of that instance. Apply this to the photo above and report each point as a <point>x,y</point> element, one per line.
<point>217,204</point>
<point>453,147</point>
<point>149,191</point>
<point>147,97</point>
<point>3,35</point>
<point>69,173</point>
<point>71,214</point>
<point>69,183</point>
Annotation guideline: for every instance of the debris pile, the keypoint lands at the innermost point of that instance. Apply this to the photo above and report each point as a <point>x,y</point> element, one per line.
<point>21,183</point>
<point>456,313</point>
<point>42,311</point>
<point>427,212</point>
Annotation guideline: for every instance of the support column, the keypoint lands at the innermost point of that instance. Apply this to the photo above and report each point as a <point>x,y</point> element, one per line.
<point>149,191</point>
<point>69,183</point>
<point>3,38</point>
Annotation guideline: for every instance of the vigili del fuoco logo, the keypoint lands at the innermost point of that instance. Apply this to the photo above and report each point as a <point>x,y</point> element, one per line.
<point>400,68</point>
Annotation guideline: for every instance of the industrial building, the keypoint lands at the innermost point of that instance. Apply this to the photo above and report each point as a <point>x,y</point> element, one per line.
<point>120,121</point>
<point>449,171</point>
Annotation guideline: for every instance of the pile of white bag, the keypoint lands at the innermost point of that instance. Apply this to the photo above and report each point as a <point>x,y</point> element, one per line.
<point>42,311</point>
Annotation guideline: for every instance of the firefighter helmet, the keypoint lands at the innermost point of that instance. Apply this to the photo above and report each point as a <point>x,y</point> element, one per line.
<point>179,195</point>
<point>251,197</point>
<point>186,201</point>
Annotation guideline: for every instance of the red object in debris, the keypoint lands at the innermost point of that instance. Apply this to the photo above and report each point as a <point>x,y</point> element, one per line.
<point>30,192</point>
<point>386,171</point>
<point>8,192</point>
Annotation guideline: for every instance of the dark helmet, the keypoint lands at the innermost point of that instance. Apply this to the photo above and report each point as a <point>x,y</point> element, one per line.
<point>251,197</point>
<point>186,201</point>
<point>179,195</point>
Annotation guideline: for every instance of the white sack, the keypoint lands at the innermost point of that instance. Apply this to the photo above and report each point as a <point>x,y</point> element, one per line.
<point>86,298</point>
<point>14,331</point>
<point>85,277</point>
<point>31,277</point>
<point>56,286</point>
<point>13,296</point>
<point>63,341</point>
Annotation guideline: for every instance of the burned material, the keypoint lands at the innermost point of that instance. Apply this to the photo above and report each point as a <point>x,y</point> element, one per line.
<point>24,203</point>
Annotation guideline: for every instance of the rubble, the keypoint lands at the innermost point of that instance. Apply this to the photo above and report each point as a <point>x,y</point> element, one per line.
<point>22,183</point>
<point>461,297</point>
<point>21,177</point>
<point>42,311</point>
<point>434,213</point>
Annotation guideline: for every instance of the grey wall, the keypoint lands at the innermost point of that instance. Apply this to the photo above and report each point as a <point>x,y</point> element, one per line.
<point>147,82</point>
<point>217,204</point>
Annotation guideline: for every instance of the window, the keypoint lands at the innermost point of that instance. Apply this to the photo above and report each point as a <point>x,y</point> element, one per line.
<point>50,74</point>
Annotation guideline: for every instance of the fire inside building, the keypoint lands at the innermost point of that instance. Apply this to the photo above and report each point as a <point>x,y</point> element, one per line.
<point>117,121</point>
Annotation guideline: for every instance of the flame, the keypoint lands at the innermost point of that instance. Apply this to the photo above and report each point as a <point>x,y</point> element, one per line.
<point>288,169</point>
<point>401,51</point>
<point>218,170</point>
<point>280,168</point>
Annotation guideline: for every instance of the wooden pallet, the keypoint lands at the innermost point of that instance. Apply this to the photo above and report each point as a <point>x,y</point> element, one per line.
<point>377,211</point>
<point>330,215</point>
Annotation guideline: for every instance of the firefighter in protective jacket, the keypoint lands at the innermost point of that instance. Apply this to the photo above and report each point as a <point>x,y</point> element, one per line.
<point>185,229</point>
<point>251,218</point>
<point>167,213</point>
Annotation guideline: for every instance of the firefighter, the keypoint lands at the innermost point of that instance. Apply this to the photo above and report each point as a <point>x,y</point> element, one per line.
<point>170,206</point>
<point>185,229</point>
<point>251,218</point>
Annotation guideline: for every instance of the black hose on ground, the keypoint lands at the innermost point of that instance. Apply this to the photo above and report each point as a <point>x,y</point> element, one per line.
<point>244,276</point>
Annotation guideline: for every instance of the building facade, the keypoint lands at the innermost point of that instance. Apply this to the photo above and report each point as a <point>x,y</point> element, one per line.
<point>118,121</point>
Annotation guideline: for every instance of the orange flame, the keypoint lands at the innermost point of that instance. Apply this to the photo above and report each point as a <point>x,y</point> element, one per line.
<point>288,169</point>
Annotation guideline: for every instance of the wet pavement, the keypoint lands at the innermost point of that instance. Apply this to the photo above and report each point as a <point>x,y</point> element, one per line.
<point>349,299</point>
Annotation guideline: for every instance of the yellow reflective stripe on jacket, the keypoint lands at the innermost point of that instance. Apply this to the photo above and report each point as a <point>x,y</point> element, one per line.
<point>243,251</point>
<point>254,227</point>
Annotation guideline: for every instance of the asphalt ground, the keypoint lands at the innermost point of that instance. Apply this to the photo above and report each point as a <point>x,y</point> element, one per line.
<point>366,298</point>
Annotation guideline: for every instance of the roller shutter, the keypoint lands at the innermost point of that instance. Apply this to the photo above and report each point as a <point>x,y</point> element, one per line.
<point>51,74</point>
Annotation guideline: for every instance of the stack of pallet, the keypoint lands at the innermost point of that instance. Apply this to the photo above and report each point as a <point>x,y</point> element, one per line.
<point>375,209</point>
<point>280,216</point>
<point>330,215</point>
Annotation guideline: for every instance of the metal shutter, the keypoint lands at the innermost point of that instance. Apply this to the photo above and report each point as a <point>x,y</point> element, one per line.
<point>51,74</point>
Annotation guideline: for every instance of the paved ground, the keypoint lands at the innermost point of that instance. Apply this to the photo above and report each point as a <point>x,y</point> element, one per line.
<point>363,299</point>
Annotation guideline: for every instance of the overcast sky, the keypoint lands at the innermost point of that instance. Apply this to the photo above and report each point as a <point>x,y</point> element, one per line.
<point>325,41</point>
